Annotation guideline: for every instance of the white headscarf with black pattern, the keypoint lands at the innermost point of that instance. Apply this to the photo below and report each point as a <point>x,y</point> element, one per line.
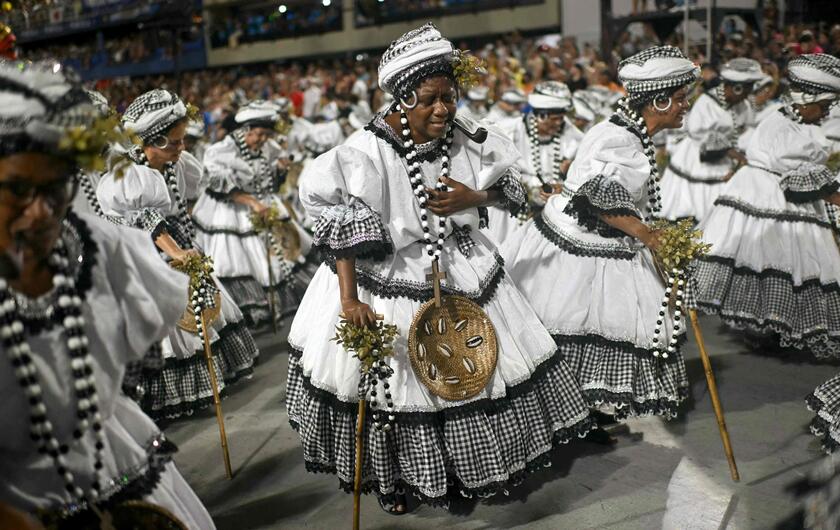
<point>814,77</point>
<point>654,71</point>
<point>153,112</point>
<point>39,102</point>
<point>414,55</point>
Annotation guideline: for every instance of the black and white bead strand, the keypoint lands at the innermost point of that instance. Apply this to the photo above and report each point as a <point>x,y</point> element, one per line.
<point>171,177</point>
<point>415,176</point>
<point>287,270</point>
<point>67,312</point>
<point>90,193</point>
<point>638,123</point>
<point>368,385</point>
<point>534,151</point>
<point>676,281</point>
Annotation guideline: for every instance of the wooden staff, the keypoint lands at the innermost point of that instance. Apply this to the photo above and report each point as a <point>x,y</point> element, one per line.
<point>357,478</point>
<point>216,399</point>
<point>270,282</point>
<point>710,380</point>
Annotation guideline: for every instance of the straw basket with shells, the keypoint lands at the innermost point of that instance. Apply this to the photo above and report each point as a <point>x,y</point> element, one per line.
<point>453,347</point>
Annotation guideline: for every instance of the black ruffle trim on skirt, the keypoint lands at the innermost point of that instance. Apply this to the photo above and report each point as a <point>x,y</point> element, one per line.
<point>429,451</point>
<point>805,316</point>
<point>624,377</point>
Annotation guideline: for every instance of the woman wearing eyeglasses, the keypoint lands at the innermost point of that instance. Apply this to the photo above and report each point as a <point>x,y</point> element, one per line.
<point>80,299</point>
<point>150,195</point>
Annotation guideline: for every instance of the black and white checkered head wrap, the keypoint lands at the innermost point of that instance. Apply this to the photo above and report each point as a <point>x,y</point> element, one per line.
<point>39,102</point>
<point>654,71</point>
<point>551,96</point>
<point>417,55</point>
<point>258,113</point>
<point>99,101</point>
<point>153,112</point>
<point>741,70</point>
<point>814,77</point>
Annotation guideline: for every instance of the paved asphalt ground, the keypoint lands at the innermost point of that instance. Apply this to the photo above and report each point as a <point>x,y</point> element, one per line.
<point>659,475</point>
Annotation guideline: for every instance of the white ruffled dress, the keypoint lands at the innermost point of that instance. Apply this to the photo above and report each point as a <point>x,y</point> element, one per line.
<point>363,201</point>
<point>698,163</point>
<point>225,231</point>
<point>130,297</point>
<point>502,226</point>
<point>774,264</point>
<point>595,288</point>
<point>141,198</point>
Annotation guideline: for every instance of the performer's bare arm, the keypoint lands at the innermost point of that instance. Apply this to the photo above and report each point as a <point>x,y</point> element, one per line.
<point>634,228</point>
<point>356,312</point>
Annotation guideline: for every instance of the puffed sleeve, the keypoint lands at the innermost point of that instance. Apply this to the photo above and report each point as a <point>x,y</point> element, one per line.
<point>139,197</point>
<point>341,189</point>
<point>797,153</point>
<point>616,182</point>
<point>224,170</point>
<point>150,294</point>
<point>710,125</point>
<point>191,169</point>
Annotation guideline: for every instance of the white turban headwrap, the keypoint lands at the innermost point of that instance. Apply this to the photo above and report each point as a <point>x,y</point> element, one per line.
<point>656,69</point>
<point>478,93</point>
<point>410,54</point>
<point>153,112</point>
<point>514,97</point>
<point>814,77</point>
<point>551,95</point>
<point>741,70</point>
<point>583,109</point>
<point>38,103</point>
<point>258,112</point>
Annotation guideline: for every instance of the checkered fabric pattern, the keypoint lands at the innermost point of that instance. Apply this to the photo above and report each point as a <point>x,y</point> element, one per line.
<point>825,403</point>
<point>345,230</point>
<point>482,449</point>
<point>617,375</point>
<point>183,386</point>
<point>514,198</point>
<point>805,315</point>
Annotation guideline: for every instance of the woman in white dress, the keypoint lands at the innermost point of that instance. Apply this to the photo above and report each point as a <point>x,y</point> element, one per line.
<point>243,172</point>
<point>547,141</point>
<point>708,155</point>
<point>150,194</point>
<point>774,266</point>
<point>79,299</point>
<point>382,226</point>
<point>606,306</point>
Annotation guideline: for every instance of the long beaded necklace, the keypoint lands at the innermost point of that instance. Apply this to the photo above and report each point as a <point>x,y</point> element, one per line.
<point>90,193</point>
<point>721,100</point>
<point>382,371</point>
<point>675,278</point>
<point>637,122</point>
<point>534,151</point>
<point>66,311</point>
<point>171,177</point>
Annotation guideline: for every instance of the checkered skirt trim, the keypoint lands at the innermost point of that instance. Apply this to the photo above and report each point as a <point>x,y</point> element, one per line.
<point>478,449</point>
<point>183,386</point>
<point>806,316</point>
<point>624,378</point>
<point>825,403</point>
<point>252,298</point>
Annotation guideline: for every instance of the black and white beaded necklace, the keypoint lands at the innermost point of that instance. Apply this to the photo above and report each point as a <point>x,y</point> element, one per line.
<point>171,177</point>
<point>90,193</point>
<point>66,312</point>
<point>720,98</point>
<point>254,158</point>
<point>637,125</point>
<point>534,151</point>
